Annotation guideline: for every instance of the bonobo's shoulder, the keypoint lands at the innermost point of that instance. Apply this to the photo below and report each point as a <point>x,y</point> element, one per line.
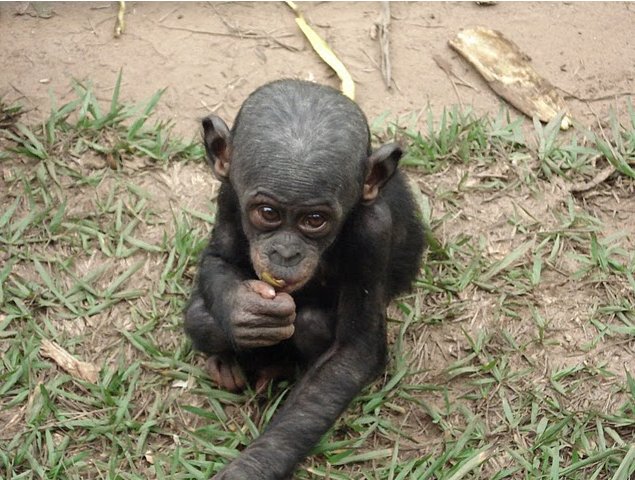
<point>374,219</point>
<point>398,194</point>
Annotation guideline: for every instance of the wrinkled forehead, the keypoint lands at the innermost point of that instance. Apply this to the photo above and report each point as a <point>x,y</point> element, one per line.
<point>297,182</point>
<point>301,165</point>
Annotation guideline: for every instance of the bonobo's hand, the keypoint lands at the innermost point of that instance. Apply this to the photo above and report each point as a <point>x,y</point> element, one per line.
<point>260,317</point>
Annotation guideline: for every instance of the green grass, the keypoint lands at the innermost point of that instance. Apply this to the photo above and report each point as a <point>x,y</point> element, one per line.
<point>511,358</point>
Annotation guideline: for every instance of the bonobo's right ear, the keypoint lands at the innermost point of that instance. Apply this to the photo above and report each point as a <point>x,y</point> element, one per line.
<point>215,138</point>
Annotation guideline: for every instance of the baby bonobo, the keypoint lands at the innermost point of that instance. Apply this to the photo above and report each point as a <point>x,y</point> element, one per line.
<point>315,234</point>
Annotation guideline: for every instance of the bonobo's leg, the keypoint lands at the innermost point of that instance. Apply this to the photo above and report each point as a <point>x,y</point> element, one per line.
<point>225,368</point>
<point>206,333</point>
<point>322,394</point>
<point>208,337</point>
<point>314,332</point>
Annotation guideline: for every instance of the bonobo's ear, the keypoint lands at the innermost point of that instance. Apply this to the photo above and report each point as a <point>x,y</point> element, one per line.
<point>382,165</point>
<point>215,138</point>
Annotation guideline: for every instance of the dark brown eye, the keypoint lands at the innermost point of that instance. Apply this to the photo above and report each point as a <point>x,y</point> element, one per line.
<point>265,216</point>
<point>269,214</point>
<point>314,223</point>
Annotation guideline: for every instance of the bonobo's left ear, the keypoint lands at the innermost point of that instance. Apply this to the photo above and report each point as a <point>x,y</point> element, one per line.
<point>382,165</point>
<point>215,138</point>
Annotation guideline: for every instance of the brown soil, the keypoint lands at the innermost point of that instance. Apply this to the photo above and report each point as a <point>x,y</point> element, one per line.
<point>210,56</point>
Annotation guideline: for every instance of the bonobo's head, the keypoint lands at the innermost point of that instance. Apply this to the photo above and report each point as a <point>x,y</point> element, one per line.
<point>299,159</point>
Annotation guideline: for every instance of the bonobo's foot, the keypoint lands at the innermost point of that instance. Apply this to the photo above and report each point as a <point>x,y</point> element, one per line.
<point>226,373</point>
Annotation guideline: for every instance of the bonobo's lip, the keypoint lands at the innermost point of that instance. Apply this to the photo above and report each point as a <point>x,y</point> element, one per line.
<point>290,286</point>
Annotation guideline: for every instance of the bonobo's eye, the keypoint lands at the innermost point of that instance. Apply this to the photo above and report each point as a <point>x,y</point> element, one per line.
<point>265,216</point>
<point>314,223</point>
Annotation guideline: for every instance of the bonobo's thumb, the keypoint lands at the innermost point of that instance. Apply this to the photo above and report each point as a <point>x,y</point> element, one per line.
<point>263,289</point>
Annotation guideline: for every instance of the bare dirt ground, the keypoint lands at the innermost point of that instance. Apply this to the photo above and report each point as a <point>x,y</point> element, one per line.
<point>210,56</point>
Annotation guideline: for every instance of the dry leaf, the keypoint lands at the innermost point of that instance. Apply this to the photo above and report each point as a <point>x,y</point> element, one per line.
<point>508,72</point>
<point>325,53</point>
<point>82,370</point>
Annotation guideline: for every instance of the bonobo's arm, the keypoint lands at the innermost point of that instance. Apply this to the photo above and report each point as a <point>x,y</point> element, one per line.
<point>228,311</point>
<point>207,315</point>
<point>356,357</point>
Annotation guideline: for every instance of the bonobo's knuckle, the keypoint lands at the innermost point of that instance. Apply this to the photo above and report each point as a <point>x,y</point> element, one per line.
<point>290,319</point>
<point>286,298</point>
<point>288,332</point>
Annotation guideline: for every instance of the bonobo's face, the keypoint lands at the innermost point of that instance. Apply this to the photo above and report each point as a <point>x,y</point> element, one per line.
<point>287,235</point>
<point>298,158</point>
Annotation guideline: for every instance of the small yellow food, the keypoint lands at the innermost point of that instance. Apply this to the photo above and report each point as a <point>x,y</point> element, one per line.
<point>274,282</point>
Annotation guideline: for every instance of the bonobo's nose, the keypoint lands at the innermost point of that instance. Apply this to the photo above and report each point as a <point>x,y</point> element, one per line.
<point>286,255</point>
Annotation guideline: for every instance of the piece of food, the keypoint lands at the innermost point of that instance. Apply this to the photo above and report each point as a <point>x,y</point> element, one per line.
<point>508,72</point>
<point>274,282</point>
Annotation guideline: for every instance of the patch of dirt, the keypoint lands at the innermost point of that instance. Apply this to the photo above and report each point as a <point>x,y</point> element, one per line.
<point>211,56</point>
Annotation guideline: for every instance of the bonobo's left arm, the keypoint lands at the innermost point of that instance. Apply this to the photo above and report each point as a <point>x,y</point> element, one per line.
<point>356,357</point>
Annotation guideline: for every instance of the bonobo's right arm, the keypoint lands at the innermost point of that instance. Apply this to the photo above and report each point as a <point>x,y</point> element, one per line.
<point>229,309</point>
<point>207,317</point>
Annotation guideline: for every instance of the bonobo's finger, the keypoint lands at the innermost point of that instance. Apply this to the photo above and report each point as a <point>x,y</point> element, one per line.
<point>280,306</point>
<point>266,319</point>
<point>261,288</point>
<point>262,337</point>
<point>213,368</point>
<point>232,377</point>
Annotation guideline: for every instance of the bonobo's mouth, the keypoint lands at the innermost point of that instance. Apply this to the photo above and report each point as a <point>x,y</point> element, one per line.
<point>282,278</point>
<point>286,285</point>
<point>271,280</point>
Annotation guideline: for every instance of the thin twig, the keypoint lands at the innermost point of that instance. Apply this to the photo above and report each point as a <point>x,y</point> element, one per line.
<point>168,14</point>
<point>596,99</point>
<point>247,35</point>
<point>603,174</point>
<point>447,69</point>
<point>383,27</point>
